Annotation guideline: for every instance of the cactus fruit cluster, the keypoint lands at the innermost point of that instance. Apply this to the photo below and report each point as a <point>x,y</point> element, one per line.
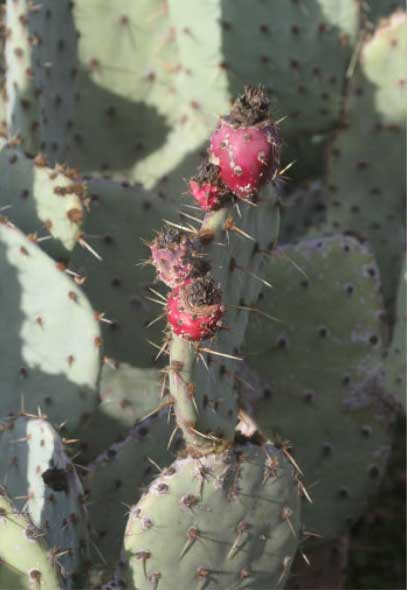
<point>202,345</point>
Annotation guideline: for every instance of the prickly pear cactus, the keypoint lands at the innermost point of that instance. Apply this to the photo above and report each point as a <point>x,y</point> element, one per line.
<point>55,69</point>
<point>51,339</point>
<point>227,520</point>
<point>127,395</point>
<point>395,362</point>
<point>42,482</point>
<point>25,562</point>
<point>47,203</point>
<point>365,168</point>
<point>303,212</point>
<point>284,43</point>
<point>134,107</point>
<point>22,107</point>
<point>320,382</point>
<point>164,104</point>
<point>118,477</point>
<point>118,280</point>
<point>129,93</point>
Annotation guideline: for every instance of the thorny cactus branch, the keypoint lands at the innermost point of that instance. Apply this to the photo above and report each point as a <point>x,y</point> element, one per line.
<point>246,146</point>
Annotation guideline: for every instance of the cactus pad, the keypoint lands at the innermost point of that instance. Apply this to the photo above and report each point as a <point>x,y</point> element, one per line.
<point>303,212</point>
<point>299,50</point>
<point>42,481</point>
<point>395,363</point>
<point>42,200</point>
<point>126,396</point>
<point>365,175</point>
<point>118,285</point>
<point>21,106</point>
<point>24,558</point>
<point>116,479</point>
<point>51,340</point>
<point>228,520</point>
<point>320,375</point>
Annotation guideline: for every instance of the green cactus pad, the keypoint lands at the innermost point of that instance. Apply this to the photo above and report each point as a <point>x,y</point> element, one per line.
<point>126,93</point>
<point>117,478</point>
<point>395,363</point>
<point>55,65</point>
<point>42,200</point>
<point>121,217</point>
<point>303,212</point>
<point>365,175</point>
<point>42,481</point>
<point>320,381</point>
<point>228,520</point>
<point>126,395</point>
<point>3,123</point>
<point>300,50</point>
<point>21,106</point>
<point>50,338</point>
<point>25,562</point>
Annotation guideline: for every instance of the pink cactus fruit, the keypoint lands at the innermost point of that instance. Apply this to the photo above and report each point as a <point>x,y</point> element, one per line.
<point>207,187</point>
<point>194,309</point>
<point>176,256</point>
<point>246,144</point>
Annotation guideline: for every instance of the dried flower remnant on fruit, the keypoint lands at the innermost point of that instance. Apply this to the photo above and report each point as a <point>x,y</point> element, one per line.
<point>176,257</point>
<point>207,187</point>
<point>195,309</point>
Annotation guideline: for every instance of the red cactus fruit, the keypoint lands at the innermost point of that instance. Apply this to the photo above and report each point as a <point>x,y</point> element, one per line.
<point>176,256</point>
<point>246,144</point>
<point>194,309</point>
<point>207,188</point>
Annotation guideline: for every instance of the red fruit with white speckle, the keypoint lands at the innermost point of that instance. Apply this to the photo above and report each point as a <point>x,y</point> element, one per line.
<point>176,257</point>
<point>207,188</point>
<point>194,309</point>
<point>246,145</point>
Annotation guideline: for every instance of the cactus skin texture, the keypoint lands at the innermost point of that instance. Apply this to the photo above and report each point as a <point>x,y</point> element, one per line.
<point>127,395</point>
<point>152,126</point>
<point>119,285</point>
<point>50,343</point>
<point>321,382</point>
<point>395,362</point>
<point>227,520</point>
<point>129,94</point>
<point>300,54</point>
<point>41,200</point>
<point>43,482</point>
<point>366,175</point>
<point>21,105</point>
<point>25,562</point>
<point>117,477</point>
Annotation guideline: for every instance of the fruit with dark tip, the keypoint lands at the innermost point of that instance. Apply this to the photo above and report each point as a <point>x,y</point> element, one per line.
<point>194,309</point>
<point>207,187</point>
<point>176,257</point>
<point>246,144</point>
